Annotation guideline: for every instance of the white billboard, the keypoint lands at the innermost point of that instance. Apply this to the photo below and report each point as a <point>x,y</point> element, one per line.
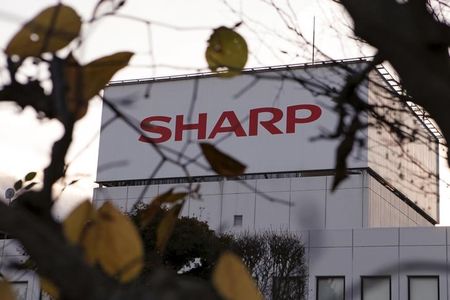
<point>259,118</point>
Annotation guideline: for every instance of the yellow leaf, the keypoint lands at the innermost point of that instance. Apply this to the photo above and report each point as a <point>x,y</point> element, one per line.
<point>84,82</point>
<point>168,197</point>
<point>48,287</point>
<point>6,291</point>
<point>232,280</point>
<point>166,226</point>
<point>108,238</point>
<point>75,223</point>
<point>80,229</point>
<point>119,245</point>
<point>220,162</point>
<point>227,50</point>
<point>89,242</point>
<point>52,29</point>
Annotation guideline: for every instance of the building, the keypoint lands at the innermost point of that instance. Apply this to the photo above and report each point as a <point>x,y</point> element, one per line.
<point>375,230</point>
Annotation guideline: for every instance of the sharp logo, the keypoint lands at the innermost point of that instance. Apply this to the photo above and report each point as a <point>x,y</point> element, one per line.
<point>271,119</point>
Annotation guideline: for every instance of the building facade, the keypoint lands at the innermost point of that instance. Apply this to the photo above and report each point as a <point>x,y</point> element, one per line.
<point>371,238</point>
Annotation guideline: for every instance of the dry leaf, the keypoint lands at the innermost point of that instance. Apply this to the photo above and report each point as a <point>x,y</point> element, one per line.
<point>119,245</point>
<point>6,291</point>
<point>108,238</point>
<point>84,82</point>
<point>226,49</point>
<point>166,226</point>
<point>168,197</point>
<point>52,29</point>
<point>48,287</point>
<point>89,242</point>
<point>100,71</point>
<point>74,225</point>
<point>220,162</point>
<point>232,280</point>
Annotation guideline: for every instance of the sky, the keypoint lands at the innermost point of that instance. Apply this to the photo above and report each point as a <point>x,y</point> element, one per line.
<point>173,43</point>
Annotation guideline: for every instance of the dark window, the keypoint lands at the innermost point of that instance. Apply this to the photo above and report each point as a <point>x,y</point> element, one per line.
<point>423,287</point>
<point>330,288</point>
<point>376,288</point>
<point>237,220</point>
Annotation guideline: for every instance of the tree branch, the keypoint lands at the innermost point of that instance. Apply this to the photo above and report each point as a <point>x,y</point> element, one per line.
<point>416,44</point>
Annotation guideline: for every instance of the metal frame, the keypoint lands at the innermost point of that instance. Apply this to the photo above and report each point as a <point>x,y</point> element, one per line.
<point>210,178</point>
<point>244,71</point>
<point>236,218</point>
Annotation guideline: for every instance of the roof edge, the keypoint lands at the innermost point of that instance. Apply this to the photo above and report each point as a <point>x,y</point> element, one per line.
<point>244,71</point>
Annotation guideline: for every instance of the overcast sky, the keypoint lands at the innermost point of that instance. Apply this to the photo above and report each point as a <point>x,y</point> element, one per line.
<point>26,141</point>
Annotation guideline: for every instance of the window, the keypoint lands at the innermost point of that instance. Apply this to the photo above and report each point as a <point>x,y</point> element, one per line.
<point>20,289</point>
<point>376,288</point>
<point>330,288</point>
<point>237,220</point>
<point>423,287</point>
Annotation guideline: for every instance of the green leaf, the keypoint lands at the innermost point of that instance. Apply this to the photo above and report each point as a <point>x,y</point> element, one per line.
<point>220,162</point>
<point>18,185</point>
<point>30,185</point>
<point>74,181</point>
<point>227,50</point>
<point>166,226</point>
<point>52,29</point>
<point>30,176</point>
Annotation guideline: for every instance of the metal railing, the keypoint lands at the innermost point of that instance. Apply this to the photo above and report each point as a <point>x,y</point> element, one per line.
<point>244,71</point>
<point>421,114</point>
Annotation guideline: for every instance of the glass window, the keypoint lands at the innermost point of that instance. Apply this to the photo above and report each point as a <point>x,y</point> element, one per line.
<point>20,289</point>
<point>330,288</point>
<point>423,287</point>
<point>376,288</point>
<point>237,220</point>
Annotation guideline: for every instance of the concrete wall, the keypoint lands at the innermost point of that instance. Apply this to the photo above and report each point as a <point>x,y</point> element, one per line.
<point>282,203</point>
<point>412,167</point>
<point>386,209</point>
<point>25,281</point>
<point>394,252</point>
<point>294,203</point>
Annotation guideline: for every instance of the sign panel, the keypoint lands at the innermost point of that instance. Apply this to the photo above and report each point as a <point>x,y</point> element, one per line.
<point>263,119</point>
